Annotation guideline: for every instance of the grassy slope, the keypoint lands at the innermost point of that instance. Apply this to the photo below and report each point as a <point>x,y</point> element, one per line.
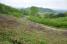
<point>28,32</point>
<point>31,33</point>
<point>57,22</point>
<point>20,35</point>
<point>7,10</point>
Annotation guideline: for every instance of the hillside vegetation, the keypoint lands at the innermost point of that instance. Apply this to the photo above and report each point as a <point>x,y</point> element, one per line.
<point>54,19</point>
<point>15,31</point>
<point>16,26</point>
<point>55,22</point>
<point>7,10</point>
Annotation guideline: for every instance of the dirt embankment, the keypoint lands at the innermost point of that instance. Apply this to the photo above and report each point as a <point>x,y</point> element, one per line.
<point>8,22</point>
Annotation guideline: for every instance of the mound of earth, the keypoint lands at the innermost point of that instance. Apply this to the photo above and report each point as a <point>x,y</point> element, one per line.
<point>8,22</point>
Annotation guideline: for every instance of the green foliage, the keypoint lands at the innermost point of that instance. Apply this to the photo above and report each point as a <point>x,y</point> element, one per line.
<point>33,10</point>
<point>54,15</point>
<point>4,9</point>
<point>57,22</point>
<point>65,13</point>
<point>25,11</point>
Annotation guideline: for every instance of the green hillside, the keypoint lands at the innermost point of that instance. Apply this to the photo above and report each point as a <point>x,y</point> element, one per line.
<point>4,9</point>
<point>52,18</point>
<point>24,26</point>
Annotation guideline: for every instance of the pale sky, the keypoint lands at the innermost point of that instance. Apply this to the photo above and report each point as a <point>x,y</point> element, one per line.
<point>53,4</point>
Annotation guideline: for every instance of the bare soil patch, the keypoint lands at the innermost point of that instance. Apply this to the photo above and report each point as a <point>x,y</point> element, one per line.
<point>8,22</point>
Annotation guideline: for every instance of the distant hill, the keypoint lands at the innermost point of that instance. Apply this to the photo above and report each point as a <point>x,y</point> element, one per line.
<point>48,10</point>
<point>4,9</point>
<point>61,11</point>
<point>45,10</point>
<point>42,10</point>
<point>51,10</point>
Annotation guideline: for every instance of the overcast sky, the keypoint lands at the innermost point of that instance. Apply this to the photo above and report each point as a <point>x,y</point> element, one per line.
<point>53,4</point>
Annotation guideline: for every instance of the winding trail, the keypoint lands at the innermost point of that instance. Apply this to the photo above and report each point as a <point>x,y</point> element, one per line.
<point>51,34</point>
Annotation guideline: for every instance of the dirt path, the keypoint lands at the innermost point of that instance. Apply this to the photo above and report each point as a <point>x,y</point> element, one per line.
<point>37,25</point>
<point>52,35</point>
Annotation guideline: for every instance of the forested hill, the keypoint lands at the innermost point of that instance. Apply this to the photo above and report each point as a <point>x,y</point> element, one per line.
<point>44,10</point>
<point>40,9</point>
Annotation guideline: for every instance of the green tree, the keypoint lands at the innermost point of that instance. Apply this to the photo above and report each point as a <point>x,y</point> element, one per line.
<point>33,10</point>
<point>65,13</point>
